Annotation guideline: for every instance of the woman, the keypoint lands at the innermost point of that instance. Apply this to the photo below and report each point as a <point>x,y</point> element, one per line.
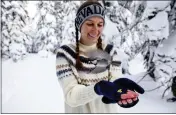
<point>88,86</point>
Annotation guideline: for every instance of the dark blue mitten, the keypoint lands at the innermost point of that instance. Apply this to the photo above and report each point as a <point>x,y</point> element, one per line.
<point>129,84</point>
<point>109,90</point>
<point>125,83</point>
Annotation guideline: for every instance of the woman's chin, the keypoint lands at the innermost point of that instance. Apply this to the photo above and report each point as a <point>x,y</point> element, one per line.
<point>92,38</point>
<point>92,41</point>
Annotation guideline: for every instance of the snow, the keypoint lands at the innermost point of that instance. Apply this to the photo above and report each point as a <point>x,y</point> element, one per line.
<point>31,8</point>
<point>160,24</point>
<point>139,67</point>
<point>169,45</point>
<point>50,18</point>
<point>157,4</point>
<point>107,27</point>
<point>31,86</point>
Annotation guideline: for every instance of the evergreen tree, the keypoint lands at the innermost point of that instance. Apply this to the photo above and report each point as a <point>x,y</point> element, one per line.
<point>59,7</point>
<point>45,37</point>
<point>126,3</point>
<point>69,27</point>
<point>165,72</point>
<point>129,25</point>
<point>153,15</point>
<point>52,33</point>
<point>14,19</point>
<point>139,34</point>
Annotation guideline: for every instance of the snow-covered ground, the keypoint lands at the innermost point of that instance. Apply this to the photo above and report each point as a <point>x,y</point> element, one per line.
<point>31,86</point>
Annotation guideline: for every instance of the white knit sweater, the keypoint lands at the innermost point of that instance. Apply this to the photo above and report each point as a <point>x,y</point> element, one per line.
<point>78,86</point>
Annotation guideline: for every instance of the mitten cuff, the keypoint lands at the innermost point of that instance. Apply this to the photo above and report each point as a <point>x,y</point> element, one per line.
<point>97,88</point>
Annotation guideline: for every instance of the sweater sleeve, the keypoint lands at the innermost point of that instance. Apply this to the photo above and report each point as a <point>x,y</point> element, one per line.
<point>75,94</point>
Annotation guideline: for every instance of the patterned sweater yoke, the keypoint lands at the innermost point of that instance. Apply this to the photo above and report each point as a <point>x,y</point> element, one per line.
<point>68,51</point>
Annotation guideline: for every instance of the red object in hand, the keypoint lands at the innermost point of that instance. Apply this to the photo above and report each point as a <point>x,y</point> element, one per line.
<point>129,97</point>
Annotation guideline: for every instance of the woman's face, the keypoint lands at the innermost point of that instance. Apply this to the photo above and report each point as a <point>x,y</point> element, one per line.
<point>91,30</point>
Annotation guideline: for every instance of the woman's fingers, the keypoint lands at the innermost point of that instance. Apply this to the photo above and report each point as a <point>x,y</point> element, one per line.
<point>134,99</point>
<point>124,102</point>
<point>132,93</point>
<point>120,102</point>
<point>129,95</point>
<point>129,100</point>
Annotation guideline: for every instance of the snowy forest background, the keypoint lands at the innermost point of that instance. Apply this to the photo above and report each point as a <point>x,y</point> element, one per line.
<point>140,28</point>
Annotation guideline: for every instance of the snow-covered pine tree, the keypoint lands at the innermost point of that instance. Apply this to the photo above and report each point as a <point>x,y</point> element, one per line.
<point>65,29</point>
<point>165,71</point>
<point>14,19</point>
<point>45,34</point>
<point>165,65</point>
<point>155,33</point>
<point>30,31</point>
<point>30,28</point>
<point>123,18</point>
<point>69,27</point>
<point>59,27</point>
<point>59,7</point>
<point>118,15</point>
<point>126,3</point>
<point>130,28</point>
<point>149,56</point>
<point>141,34</point>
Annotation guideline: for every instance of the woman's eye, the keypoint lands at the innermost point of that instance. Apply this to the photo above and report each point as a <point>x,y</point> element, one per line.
<point>100,25</point>
<point>90,24</point>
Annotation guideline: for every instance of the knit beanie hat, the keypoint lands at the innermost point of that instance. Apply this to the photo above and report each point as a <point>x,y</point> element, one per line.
<point>87,10</point>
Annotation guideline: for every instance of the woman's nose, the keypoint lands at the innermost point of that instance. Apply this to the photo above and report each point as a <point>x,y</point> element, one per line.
<point>95,28</point>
